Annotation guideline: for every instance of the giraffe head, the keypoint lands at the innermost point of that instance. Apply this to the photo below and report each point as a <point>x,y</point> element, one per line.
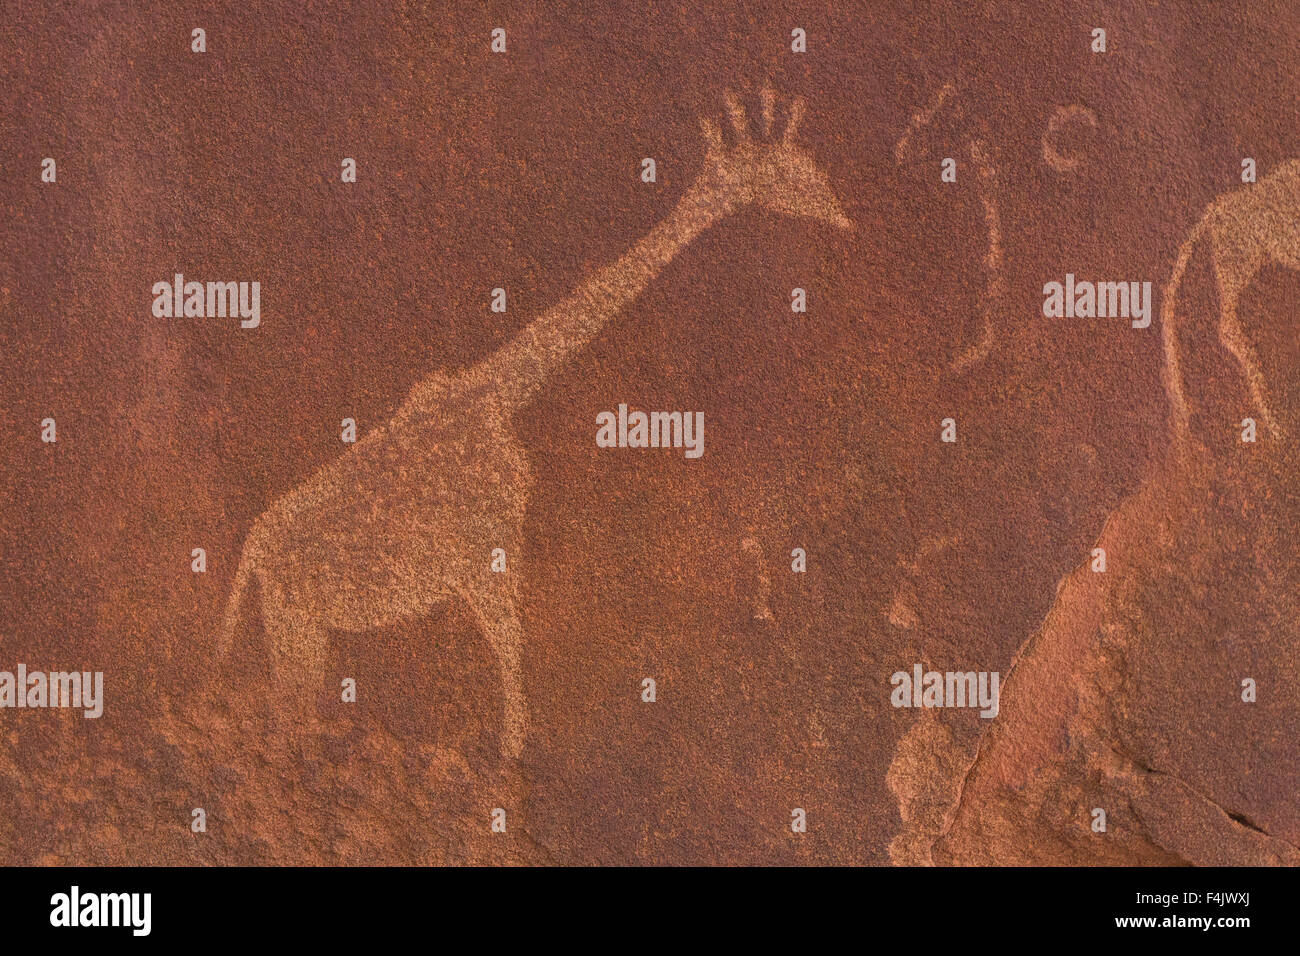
<point>776,174</point>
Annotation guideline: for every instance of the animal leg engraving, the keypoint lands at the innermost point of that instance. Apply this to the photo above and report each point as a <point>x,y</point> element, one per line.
<point>1179,412</point>
<point>1235,341</point>
<point>298,644</point>
<point>498,618</point>
<point>761,609</point>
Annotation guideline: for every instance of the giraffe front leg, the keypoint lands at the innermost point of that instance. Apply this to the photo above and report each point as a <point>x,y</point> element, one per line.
<point>498,616</point>
<point>1235,341</point>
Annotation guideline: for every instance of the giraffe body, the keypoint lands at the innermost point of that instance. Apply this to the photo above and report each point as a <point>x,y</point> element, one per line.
<point>404,521</point>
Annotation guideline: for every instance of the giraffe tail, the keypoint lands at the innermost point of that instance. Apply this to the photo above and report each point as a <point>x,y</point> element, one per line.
<point>1173,375</point>
<point>231,620</point>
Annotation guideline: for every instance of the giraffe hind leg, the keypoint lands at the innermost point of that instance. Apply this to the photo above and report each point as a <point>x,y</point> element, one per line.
<point>298,644</point>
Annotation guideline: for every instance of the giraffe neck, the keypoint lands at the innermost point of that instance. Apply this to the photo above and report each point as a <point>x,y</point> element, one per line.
<point>525,363</point>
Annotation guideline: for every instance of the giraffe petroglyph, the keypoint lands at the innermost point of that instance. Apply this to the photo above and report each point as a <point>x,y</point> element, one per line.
<point>408,517</point>
<point>1248,228</point>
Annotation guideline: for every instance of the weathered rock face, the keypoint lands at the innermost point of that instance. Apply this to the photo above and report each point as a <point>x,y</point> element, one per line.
<point>1121,690</point>
<point>1126,698</point>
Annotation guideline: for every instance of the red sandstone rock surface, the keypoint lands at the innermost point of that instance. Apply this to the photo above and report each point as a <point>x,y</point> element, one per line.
<point>1121,690</point>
